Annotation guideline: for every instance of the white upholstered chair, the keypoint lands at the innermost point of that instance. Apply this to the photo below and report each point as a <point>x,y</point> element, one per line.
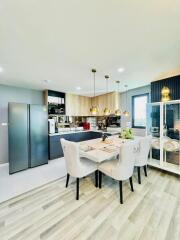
<point>77,167</point>
<point>120,169</point>
<point>141,157</point>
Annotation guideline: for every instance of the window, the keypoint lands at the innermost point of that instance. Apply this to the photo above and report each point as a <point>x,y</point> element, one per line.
<point>139,110</point>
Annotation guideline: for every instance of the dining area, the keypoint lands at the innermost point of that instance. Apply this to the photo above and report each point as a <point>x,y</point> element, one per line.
<point>115,157</point>
<point>89,120</point>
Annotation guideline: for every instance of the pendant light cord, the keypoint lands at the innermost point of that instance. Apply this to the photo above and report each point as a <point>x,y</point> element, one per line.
<point>107,90</point>
<point>118,82</point>
<point>126,96</point>
<point>94,84</point>
<point>94,72</point>
<point>106,85</point>
<point>107,77</point>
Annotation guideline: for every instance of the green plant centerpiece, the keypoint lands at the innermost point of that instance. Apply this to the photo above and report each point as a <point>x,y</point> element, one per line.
<point>127,133</point>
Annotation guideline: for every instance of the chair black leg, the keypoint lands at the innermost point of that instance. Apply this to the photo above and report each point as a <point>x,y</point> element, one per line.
<point>139,175</point>
<point>100,179</point>
<point>145,170</point>
<point>131,184</point>
<point>67,179</point>
<point>77,189</point>
<point>96,178</point>
<point>121,192</point>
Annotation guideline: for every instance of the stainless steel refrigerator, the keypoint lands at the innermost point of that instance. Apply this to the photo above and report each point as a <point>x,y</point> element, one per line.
<point>28,136</point>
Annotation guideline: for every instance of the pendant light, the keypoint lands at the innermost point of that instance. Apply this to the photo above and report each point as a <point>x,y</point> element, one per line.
<point>126,113</point>
<point>107,110</point>
<point>117,111</point>
<point>94,109</point>
<point>165,94</point>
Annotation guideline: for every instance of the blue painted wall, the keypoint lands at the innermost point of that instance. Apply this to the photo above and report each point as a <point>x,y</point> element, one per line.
<point>13,94</point>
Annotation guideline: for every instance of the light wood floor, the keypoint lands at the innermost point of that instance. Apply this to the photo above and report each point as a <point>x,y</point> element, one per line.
<point>51,212</point>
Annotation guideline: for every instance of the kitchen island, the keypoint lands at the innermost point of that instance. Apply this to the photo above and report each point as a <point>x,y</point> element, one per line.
<point>55,148</point>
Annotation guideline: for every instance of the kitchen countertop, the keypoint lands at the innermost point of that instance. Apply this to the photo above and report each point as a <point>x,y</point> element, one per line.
<point>79,131</point>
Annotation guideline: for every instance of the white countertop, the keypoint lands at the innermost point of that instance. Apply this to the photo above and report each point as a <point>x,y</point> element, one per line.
<point>68,132</point>
<point>79,131</point>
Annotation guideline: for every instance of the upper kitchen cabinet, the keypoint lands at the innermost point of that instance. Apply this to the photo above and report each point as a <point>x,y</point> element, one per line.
<point>55,101</point>
<point>110,100</point>
<point>77,105</point>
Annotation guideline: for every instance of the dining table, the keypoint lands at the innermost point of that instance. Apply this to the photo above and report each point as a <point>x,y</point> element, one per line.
<point>98,150</point>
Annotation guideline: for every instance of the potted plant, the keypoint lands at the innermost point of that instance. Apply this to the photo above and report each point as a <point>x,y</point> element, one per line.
<point>127,133</point>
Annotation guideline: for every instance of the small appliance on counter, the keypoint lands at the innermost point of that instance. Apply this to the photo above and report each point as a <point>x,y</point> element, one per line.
<point>102,123</point>
<point>51,126</point>
<point>86,126</point>
<point>114,121</point>
<point>101,126</point>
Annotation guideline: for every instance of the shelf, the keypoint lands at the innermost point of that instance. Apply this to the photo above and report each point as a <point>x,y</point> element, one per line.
<point>169,167</point>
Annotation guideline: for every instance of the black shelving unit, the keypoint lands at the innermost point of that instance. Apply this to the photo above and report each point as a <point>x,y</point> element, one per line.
<point>56,103</point>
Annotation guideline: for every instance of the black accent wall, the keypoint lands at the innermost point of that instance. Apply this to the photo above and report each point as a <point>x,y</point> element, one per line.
<point>173,83</point>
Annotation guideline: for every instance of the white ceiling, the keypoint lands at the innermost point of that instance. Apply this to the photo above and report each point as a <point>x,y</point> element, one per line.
<point>61,41</point>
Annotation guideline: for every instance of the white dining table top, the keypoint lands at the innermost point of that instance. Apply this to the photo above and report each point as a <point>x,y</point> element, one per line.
<point>99,151</point>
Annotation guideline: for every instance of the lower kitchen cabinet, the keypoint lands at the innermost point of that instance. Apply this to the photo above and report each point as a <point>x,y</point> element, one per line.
<point>55,148</point>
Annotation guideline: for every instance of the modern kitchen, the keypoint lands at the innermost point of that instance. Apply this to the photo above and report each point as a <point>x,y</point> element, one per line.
<point>37,129</point>
<point>70,116</point>
<point>79,124</point>
<point>89,120</point>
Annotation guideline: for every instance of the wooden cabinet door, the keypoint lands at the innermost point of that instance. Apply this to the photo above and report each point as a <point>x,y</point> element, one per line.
<point>110,100</point>
<point>77,105</point>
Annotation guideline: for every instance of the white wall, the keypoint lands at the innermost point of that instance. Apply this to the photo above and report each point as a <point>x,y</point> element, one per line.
<point>13,94</point>
<point>130,94</point>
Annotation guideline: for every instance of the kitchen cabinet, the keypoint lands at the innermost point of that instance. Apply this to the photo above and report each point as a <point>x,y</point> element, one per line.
<point>110,100</point>
<point>80,105</point>
<point>55,102</point>
<point>77,105</point>
<point>55,148</point>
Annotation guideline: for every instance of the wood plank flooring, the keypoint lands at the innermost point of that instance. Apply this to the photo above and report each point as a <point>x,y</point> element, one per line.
<point>51,212</point>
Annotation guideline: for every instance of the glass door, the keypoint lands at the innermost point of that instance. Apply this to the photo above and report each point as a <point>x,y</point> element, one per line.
<point>171,135</point>
<point>154,129</point>
<point>163,123</point>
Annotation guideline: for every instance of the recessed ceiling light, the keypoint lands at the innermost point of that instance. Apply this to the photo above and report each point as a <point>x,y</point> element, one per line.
<point>78,88</point>
<point>46,81</point>
<point>121,69</point>
<point>1,69</point>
